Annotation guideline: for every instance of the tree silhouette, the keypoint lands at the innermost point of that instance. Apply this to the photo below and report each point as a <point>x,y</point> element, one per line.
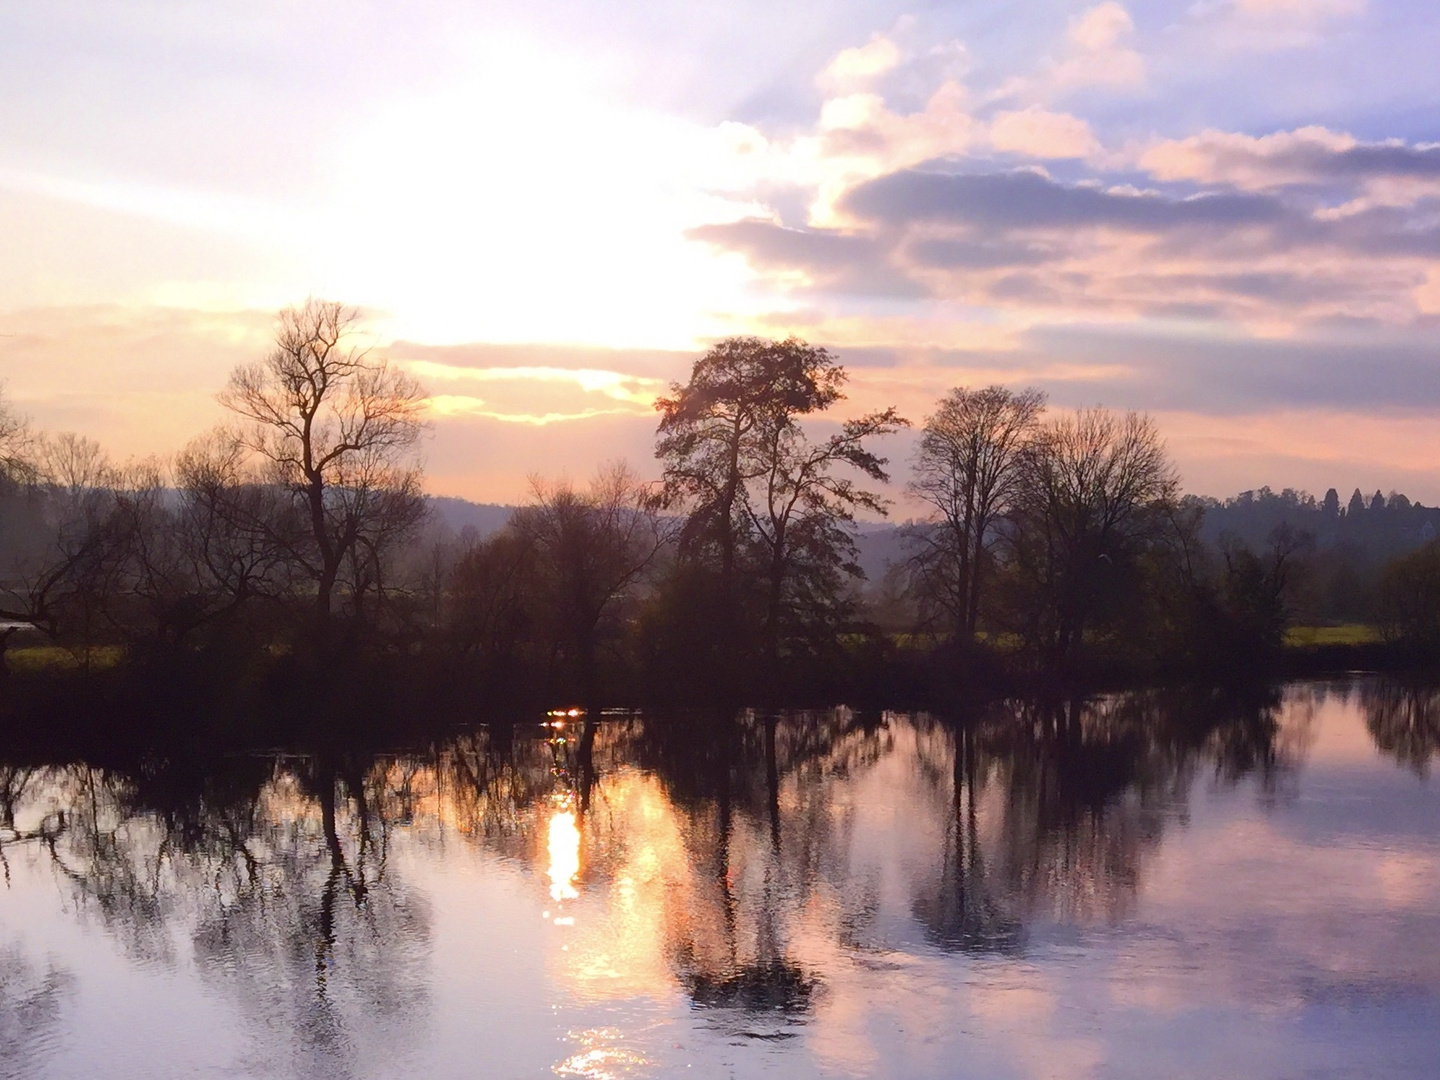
<point>761,494</point>
<point>713,430</point>
<point>17,463</point>
<point>801,515</point>
<point>1404,721</point>
<point>1096,489</point>
<point>336,427</point>
<point>969,468</point>
<point>590,549</point>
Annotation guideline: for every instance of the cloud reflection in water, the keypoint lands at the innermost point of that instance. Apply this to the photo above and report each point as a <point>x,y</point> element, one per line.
<point>1094,889</point>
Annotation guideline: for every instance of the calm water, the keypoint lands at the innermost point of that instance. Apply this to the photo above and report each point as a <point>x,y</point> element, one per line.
<point>1162,885</point>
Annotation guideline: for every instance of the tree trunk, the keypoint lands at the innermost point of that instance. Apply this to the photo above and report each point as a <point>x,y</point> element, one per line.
<point>585,663</point>
<point>324,592</point>
<point>329,560</point>
<point>727,507</point>
<point>775,604</point>
<point>972,598</point>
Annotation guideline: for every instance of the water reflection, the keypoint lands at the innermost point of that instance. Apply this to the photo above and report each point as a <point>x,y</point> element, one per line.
<point>268,877</point>
<point>31,1000</point>
<point>564,848</point>
<point>825,881</point>
<point>1404,720</point>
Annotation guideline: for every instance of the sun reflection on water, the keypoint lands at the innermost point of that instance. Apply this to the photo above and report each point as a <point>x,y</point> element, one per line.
<point>564,848</point>
<point>600,1059</point>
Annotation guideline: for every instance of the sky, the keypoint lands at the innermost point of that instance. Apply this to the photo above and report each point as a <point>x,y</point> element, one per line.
<point>1223,212</point>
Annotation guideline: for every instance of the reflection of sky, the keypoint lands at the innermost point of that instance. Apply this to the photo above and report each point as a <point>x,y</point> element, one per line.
<point>1275,926</point>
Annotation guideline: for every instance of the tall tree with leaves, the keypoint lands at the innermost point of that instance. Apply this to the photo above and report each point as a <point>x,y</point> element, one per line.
<point>762,494</point>
<point>742,395</point>
<point>802,514</point>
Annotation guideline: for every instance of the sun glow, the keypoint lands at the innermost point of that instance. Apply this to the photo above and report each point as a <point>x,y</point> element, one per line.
<point>563,845</point>
<point>528,204</point>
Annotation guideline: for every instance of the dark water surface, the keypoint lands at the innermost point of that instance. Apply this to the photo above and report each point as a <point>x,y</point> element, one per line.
<point>1152,885</point>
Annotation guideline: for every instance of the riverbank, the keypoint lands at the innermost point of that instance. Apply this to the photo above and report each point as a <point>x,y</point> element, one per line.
<point>102,699</point>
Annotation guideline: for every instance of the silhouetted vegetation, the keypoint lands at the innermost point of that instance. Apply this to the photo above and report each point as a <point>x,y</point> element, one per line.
<point>287,566</point>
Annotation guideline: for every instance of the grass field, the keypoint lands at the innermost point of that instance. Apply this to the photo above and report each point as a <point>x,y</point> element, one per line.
<point>1344,634</point>
<point>51,657</point>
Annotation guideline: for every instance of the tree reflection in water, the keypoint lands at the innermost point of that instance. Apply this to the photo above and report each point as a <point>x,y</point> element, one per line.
<point>725,856</point>
<point>1404,720</point>
<point>276,873</point>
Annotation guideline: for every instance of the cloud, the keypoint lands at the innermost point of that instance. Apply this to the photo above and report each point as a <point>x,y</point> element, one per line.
<point>1295,13</point>
<point>1389,173</point>
<point>998,202</point>
<point>243,217</point>
<point>1023,241</point>
<point>1168,370</point>
<point>658,363</point>
<point>141,380</point>
<point>615,385</point>
<point>1219,375</point>
<point>823,259</point>
<point>860,136</point>
<point>1270,25</point>
<point>1101,28</point>
<point>1236,412</point>
<point>1098,55</point>
<point>539,385</point>
<point>1039,133</point>
<point>480,457</point>
<point>1095,56</point>
<point>1301,9</point>
<point>859,66</point>
<point>446,406</point>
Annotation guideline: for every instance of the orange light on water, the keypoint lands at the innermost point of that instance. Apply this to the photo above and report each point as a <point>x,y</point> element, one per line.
<point>563,844</point>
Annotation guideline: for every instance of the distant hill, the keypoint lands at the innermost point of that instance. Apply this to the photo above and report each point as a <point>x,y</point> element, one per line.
<point>1370,529</point>
<point>457,515</point>
<point>878,546</point>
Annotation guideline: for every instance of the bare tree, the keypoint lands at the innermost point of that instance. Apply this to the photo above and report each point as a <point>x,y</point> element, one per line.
<point>969,468</point>
<point>236,528</point>
<point>1097,487</point>
<point>16,443</point>
<point>491,604</point>
<point>337,428</point>
<point>73,464</point>
<point>591,548</point>
<point>84,582</point>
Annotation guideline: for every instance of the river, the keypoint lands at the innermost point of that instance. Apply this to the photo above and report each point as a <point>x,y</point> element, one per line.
<point>1158,884</point>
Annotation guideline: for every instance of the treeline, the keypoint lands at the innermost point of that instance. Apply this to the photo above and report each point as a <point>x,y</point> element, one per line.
<point>1351,543</point>
<point>296,538</point>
